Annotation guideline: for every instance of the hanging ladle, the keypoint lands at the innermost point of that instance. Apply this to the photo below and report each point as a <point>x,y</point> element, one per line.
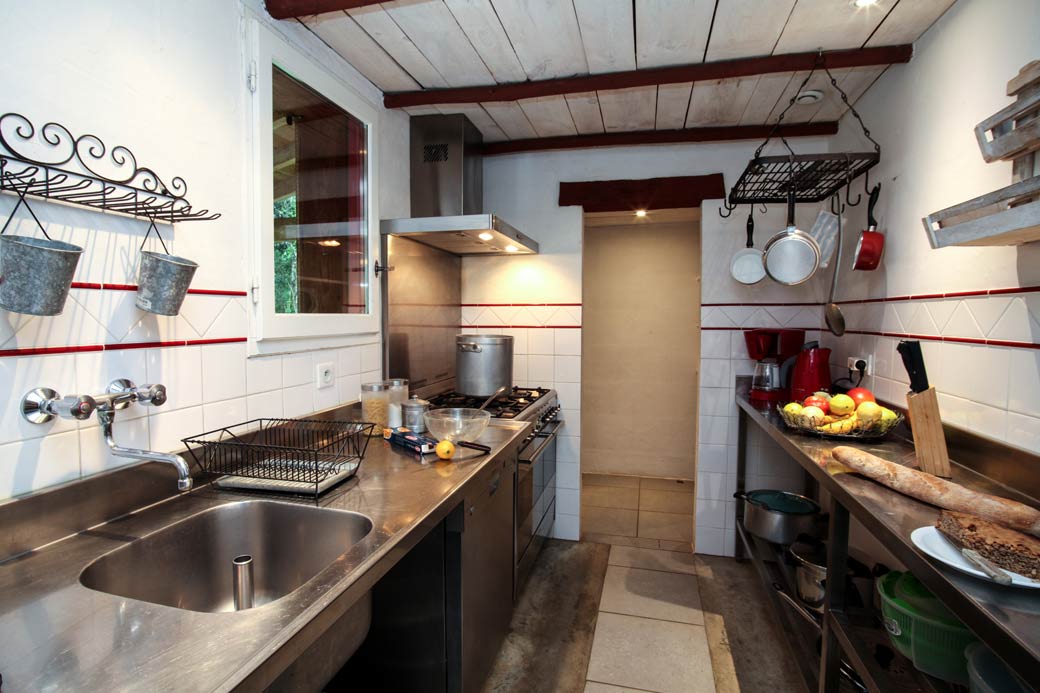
<point>832,312</point>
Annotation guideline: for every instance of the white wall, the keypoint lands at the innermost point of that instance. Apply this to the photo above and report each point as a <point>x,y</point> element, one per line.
<point>524,190</point>
<point>924,114</point>
<point>167,80</point>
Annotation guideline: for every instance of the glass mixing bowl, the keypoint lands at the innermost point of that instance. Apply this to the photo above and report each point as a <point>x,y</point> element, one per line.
<point>456,423</point>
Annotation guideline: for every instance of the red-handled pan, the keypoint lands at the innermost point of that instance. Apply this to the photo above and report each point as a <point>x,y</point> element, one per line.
<point>871,244</point>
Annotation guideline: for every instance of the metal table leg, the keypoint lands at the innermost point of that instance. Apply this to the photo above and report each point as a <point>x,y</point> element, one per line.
<point>742,433</point>
<point>834,601</point>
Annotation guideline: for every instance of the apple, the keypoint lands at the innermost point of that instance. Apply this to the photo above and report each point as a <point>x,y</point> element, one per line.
<point>869,413</point>
<point>812,416</point>
<point>860,395</point>
<point>820,402</point>
<point>842,405</point>
<point>822,393</point>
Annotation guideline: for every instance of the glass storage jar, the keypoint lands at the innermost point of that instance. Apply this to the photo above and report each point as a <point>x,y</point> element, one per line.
<point>375,405</point>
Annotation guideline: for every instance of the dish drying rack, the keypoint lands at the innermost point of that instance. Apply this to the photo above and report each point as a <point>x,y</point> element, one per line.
<point>301,456</point>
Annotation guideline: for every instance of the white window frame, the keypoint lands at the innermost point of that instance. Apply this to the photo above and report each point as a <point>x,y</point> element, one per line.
<point>272,50</point>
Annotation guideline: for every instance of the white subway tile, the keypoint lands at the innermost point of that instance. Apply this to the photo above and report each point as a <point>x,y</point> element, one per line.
<point>226,413</point>
<point>977,373</point>
<point>716,401</point>
<point>519,335</point>
<point>326,397</point>
<point>737,344</point>
<point>712,486</point>
<point>572,420</point>
<point>297,401</point>
<point>349,388</point>
<point>715,344</point>
<point>1024,432</point>
<point>715,373</point>
<point>371,357</point>
<point>371,376</point>
<point>569,394</point>
<point>231,323</point>
<point>568,501</point>
<point>95,455</point>
<point>714,430</point>
<point>568,448</point>
<point>264,405</point>
<point>710,541</point>
<point>541,369</point>
<point>541,341</point>
<point>349,361</point>
<point>167,429</point>
<point>568,342</point>
<point>263,374</point>
<point>30,465</point>
<point>711,513</point>
<point>982,419</point>
<point>19,375</point>
<point>567,527</point>
<point>180,370</point>
<point>297,369</point>
<point>712,458</point>
<point>1024,385</point>
<point>519,368</point>
<point>567,369</point>
<point>223,371</point>
<point>568,475</point>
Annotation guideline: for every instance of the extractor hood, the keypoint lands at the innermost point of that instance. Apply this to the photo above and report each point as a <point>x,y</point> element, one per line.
<point>447,199</point>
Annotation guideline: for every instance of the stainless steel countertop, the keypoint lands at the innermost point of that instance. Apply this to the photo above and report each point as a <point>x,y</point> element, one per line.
<point>1005,618</point>
<point>57,635</point>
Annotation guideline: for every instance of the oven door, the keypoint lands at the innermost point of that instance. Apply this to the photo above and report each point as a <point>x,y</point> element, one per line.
<point>536,499</point>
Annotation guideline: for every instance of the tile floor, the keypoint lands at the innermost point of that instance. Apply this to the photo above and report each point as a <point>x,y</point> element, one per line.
<point>650,633</point>
<point>637,511</point>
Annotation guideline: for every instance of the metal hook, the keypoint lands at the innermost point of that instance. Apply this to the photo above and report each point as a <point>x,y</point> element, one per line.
<point>837,208</point>
<point>729,208</point>
<point>866,181</point>
<point>152,227</point>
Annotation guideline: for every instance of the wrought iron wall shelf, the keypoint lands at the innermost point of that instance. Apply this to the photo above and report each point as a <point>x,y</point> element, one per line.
<point>53,164</point>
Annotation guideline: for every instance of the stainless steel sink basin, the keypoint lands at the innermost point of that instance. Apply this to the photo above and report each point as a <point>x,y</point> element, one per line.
<point>188,565</point>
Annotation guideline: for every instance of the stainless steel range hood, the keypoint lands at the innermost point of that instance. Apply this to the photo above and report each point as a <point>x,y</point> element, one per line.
<point>446,193</point>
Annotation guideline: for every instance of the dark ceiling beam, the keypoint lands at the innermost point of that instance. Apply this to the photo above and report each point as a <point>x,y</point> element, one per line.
<point>620,139</point>
<point>287,9</point>
<point>699,72</point>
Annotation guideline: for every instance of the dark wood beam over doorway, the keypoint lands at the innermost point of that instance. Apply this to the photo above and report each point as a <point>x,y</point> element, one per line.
<point>647,193</point>
<point>287,9</point>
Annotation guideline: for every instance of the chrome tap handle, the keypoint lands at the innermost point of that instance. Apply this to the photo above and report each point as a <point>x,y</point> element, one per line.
<point>151,395</point>
<point>43,404</point>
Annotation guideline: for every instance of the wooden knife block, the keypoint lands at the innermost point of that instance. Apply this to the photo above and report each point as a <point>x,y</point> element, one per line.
<point>929,439</point>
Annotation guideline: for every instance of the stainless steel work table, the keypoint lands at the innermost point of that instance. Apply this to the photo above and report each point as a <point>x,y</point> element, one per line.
<point>1007,619</point>
<point>57,635</point>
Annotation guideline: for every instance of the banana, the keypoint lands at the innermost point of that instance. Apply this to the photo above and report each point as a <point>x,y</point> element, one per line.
<point>846,425</point>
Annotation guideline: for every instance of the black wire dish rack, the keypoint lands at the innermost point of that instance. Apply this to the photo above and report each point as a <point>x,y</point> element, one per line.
<point>302,456</point>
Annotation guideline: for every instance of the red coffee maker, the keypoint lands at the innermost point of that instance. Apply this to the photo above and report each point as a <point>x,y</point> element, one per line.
<point>811,373</point>
<point>770,348</point>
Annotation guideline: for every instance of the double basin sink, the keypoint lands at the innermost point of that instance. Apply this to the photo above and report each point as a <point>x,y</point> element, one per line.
<point>188,565</point>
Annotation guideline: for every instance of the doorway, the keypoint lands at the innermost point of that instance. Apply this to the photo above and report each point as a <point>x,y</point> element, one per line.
<point>640,367</point>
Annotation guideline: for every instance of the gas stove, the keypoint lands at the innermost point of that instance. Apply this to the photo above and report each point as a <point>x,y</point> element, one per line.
<point>522,403</point>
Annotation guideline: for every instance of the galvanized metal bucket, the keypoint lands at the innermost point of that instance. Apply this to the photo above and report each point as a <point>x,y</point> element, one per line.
<point>36,274</point>
<point>163,282</point>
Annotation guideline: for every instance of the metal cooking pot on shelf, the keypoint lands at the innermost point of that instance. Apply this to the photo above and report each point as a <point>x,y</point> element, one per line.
<point>779,516</point>
<point>811,576</point>
<point>483,363</point>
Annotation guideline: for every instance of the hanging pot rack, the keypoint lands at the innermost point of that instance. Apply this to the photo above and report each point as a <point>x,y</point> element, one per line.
<point>809,177</point>
<point>69,173</point>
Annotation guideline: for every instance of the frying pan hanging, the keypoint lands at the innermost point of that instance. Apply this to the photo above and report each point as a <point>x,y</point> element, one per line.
<point>791,256</point>
<point>747,266</point>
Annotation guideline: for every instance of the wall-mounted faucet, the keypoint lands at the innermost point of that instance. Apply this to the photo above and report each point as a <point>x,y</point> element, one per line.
<point>43,404</point>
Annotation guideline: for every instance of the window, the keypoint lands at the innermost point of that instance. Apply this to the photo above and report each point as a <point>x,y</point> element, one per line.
<point>317,207</point>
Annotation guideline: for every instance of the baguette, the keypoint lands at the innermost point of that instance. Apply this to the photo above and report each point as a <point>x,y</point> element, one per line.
<point>945,494</point>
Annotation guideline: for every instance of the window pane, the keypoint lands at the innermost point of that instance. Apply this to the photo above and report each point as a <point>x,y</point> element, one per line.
<point>320,229</point>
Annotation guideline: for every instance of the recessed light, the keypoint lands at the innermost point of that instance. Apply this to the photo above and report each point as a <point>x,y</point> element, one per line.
<point>331,243</point>
<point>809,96</point>
<point>485,236</point>
<point>511,248</point>
<point>640,213</point>
<point>859,4</point>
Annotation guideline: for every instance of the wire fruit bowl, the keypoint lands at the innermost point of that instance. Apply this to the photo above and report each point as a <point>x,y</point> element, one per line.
<point>294,455</point>
<point>841,428</point>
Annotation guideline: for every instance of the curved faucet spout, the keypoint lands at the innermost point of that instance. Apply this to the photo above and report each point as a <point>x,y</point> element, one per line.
<point>106,415</point>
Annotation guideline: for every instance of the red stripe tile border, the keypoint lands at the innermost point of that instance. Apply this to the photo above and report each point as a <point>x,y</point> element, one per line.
<point>78,349</point>
<point>517,305</point>
<point>948,294</point>
<point>956,340</point>
<point>755,305</point>
<point>133,287</point>
<point>743,329</point>
<point>519,327</point>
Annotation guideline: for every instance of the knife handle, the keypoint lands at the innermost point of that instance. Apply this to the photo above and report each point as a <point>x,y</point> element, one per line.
<point>913,361</point>
<point>995,573</point>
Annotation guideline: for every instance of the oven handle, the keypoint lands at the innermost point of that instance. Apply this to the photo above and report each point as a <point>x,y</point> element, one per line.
<point>546,440</point>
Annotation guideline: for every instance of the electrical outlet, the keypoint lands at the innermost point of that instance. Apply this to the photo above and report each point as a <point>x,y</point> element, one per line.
<point>326,375</point>
<point>869,360</point>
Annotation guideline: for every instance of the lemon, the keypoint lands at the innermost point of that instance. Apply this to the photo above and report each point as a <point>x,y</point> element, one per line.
<point>842,404</point>
<point>445,450</point>
<point>887,416</point>
<point>869,413</point>
<point>793,409</point>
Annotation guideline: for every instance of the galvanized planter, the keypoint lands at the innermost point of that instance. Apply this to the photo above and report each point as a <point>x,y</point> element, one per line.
<point>163,282</point>
<point>35,274</point>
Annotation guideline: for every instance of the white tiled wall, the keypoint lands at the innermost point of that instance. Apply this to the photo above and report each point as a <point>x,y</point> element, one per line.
<point>548,357</point>
<point>723,358</point>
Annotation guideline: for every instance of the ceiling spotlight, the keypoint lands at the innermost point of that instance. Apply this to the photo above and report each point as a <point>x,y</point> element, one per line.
<point>859,4</point>
<point>808,97</point>
<point>511,248</point>
<point>486,236</point>
<point>330,243</point>
<point>640,213</point>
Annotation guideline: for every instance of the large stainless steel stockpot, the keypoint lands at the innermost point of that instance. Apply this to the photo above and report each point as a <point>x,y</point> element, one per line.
<point>483,363</point>
<point>779,516</point>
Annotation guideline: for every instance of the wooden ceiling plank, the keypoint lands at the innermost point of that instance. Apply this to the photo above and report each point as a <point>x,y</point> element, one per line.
<point>672,32</point>
<point>511,119</point>
<point>479,22</point>
<point>830,24</point>
<point>726,69</point>
<point>422,110</point>
<point>628,109</point>
<point>908,21</point>
<point>545,36</point>
<point>855,82</point>
<point>747,27</point>
<point>479,117</point>
<point>721,103</point>
<point>344,36</point>
<point>549,116</point>
<point>767,92</point>
<point>673,102</point>
<point>585,111</point>
<point>802,113</point>
<point>625,139</point>
<point>288,9</point>
<point>434,31</point>
<point>378,24</point>
<point>607,33</point>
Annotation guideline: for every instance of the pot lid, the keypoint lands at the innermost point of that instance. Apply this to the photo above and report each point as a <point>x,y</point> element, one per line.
<point>415,402</point>
<point>783,502</point>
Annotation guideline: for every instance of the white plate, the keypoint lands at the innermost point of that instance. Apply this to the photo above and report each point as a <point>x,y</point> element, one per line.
<point>933,543</point>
